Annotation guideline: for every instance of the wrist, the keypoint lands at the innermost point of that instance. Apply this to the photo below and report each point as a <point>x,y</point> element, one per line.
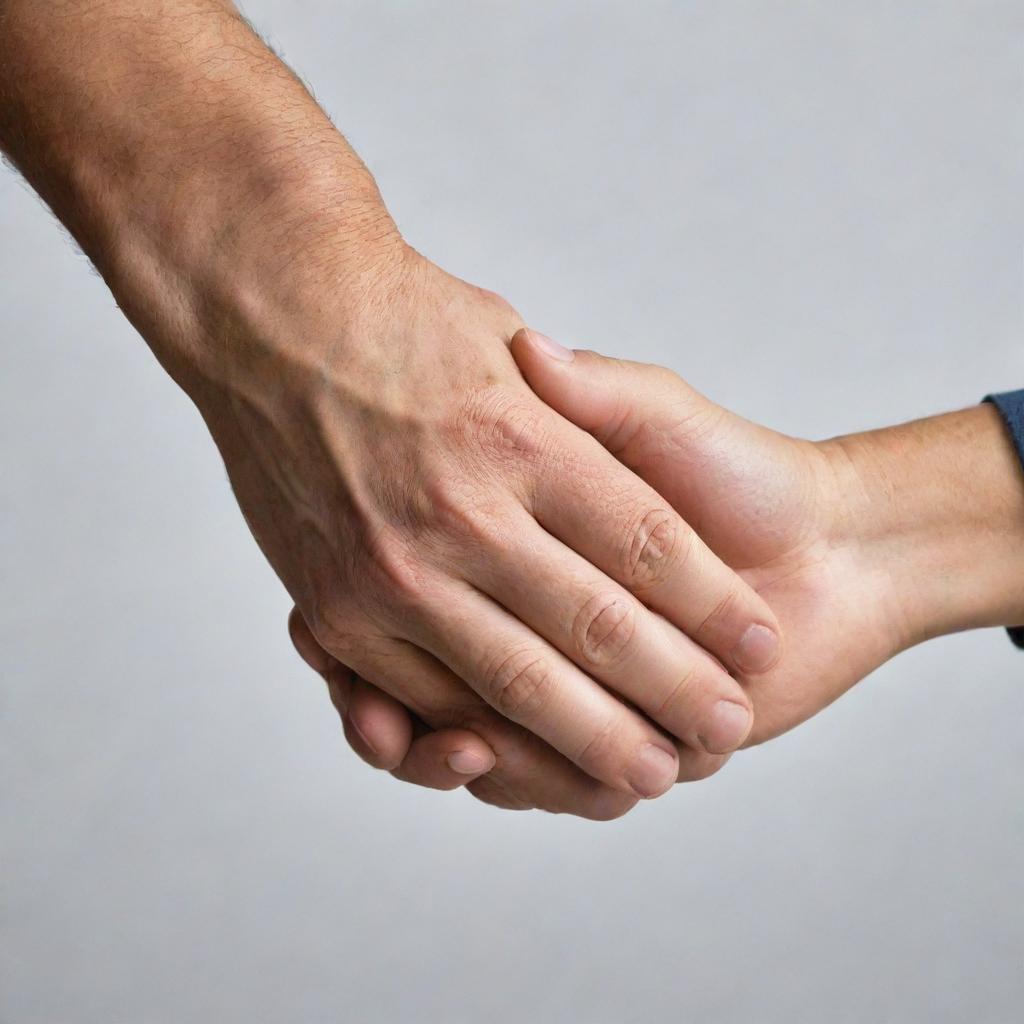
<point>935,511</point>
<point>191,165</point>
<point>259,275</point>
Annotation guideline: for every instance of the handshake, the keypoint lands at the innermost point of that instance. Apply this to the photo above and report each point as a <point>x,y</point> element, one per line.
<point>563,581</point>
<point>568,582</point>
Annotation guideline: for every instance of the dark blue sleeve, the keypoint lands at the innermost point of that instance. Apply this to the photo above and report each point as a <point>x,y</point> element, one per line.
<point>1011,407</point>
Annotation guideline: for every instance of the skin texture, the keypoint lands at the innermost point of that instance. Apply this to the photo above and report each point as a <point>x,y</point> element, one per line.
<point>863,545</point>
<point>443,531</point>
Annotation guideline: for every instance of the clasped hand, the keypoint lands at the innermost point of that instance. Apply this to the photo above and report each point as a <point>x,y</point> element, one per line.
<point>590,611</point>
<point>638,582</point>
<point>488,565</point>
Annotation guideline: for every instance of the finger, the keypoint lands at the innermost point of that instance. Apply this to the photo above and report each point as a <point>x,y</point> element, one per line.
<point>695,765</point>
<point>621,525</point>
<point>449,758</point>
<point>488,791</point>
<point>525,766</point>
<point>616,400</point>
<point>432,759</point>
<point>611,636</point>
<point>526,770</point>
<point>446,759</point>
<point>654,423</point>
<point>606,805</point>
<point>382,732</point>
<point>575,794</point>
<point>532,684</point>
<point>306,644</point>
<point>377,727</point>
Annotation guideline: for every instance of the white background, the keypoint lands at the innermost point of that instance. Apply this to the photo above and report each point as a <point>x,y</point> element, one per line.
<point>814,212</point>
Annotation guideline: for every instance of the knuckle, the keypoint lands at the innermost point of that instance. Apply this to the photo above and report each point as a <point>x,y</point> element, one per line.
<point>720,615</point>
<point>659,545</point>
<point>601,750</point>
<point>603,628</point>
<point>610,805</point>
<point>662,376</point>
<point>501,308</point>
<point>460,511</point>
<point>331,623</point>
<point>520,684</point>
<point>400,578</point>
<point>679,693</point>
<point>346,645</point>
<point>463,709</point>
<point>502,424</point>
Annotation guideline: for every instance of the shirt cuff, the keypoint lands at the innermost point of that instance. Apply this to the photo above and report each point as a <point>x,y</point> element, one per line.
<point>1011,407</point>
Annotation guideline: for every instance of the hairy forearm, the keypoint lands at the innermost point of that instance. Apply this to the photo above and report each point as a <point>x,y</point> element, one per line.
<point>938,508</point>
<point>188,162</point>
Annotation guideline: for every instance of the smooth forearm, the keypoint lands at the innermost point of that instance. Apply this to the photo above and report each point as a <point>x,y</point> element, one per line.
<point>938,508</point>
<point>189,163</point>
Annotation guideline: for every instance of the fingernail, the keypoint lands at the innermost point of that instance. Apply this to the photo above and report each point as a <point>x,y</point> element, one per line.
<point>726,728</point>
<point>550,347</point>
<point>359,732</point>
<point>757,650</point>
<point>466,763</point>
<point>653,772</point>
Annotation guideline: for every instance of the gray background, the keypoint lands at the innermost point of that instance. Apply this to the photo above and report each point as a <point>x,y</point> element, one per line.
<point>814,212</point>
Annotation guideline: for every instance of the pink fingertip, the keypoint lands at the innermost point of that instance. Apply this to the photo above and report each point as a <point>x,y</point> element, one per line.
<point>464,762</point>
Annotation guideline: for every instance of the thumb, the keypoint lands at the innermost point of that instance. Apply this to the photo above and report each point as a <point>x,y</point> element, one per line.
<point>609,398</point>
